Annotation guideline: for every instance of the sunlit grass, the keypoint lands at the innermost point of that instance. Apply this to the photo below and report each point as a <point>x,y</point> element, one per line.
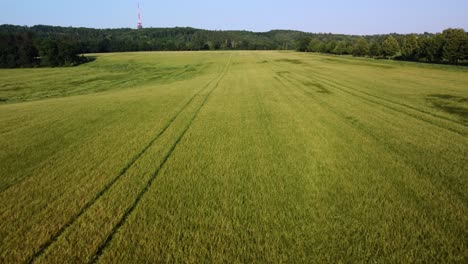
<point>234,157</point>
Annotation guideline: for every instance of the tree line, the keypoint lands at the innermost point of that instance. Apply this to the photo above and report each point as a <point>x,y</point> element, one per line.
<point>450,46</point>
<point>23,50</point>
<point>40,45</point>
<point>22,46</point>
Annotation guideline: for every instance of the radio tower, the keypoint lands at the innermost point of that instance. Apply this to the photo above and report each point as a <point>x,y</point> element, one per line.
<point>140,24</point>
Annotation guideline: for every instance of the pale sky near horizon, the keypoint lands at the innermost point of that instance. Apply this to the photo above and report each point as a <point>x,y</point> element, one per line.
<point>337,16</point>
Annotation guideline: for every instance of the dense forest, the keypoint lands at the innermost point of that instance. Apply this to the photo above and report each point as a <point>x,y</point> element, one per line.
<point>22,46</point>
<point>60,46</point>
<point>450,46</point>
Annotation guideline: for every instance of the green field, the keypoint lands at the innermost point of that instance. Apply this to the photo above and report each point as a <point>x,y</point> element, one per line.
<point>244,157</point>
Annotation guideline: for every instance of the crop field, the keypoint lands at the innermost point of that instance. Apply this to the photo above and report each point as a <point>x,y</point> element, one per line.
<point>237,157</point>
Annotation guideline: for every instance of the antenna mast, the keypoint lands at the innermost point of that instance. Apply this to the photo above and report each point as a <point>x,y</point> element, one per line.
<point>140,24</point>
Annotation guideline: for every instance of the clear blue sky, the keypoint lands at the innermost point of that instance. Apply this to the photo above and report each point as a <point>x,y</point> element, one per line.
<point>336,16</point>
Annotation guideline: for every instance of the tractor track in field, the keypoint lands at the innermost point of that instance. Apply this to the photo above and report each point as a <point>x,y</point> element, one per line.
<point>43,248</point>
<point>345,89</point>
<point>419,117</point>
<point>20,180</point>
<point>385,99</point>
<point>393,102</point>
<point>363,130</point>
<point>391,149</point>
<point>98,253</point>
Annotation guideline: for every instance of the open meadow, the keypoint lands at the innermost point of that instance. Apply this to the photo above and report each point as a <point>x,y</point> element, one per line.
<point>237,157</point>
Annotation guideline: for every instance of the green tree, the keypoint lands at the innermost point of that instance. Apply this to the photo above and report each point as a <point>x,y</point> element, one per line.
<point>56,53</point>
<point>426,51</point>
<point>361,48</point>
<point>410,47</point>
<point>67,53</point>
<point>17,50</point>
<point>438,47</point>
<point>322,47</point>
<point>375,49</point>
<point>390,47</point>
<point>465,48</point>
<point>341,48</point>
<point>314,45</point>
<point>48,52</point>
<point>302,44</point>
<point>8,51</point>
<point>330,47</point>
<point>454,44</point>
<point>105,45</point>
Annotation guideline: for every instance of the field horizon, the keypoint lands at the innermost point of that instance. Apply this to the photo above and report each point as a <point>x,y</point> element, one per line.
<point>234,156</point>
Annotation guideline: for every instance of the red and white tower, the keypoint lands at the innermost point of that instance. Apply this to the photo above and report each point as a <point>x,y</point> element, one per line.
<point>140,24</point>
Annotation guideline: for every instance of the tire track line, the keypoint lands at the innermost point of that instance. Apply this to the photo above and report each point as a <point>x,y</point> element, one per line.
<point>346,90</point>
<point>109,185</point>
<point>131,209</point>
<point>417,168</point>
<point>370,100</point>
<point>390,149</point>
<point>387,100</point>
<point>390,101</point>
<point>170,74</point>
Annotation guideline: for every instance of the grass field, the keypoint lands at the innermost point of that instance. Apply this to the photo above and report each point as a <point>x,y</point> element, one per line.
<point>251,157</point>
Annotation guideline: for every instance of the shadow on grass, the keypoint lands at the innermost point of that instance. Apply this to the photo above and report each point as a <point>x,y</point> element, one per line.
<point>293,61</point>
<point>84,60</point>
<point>460,63</point>
<point>319,87</point>
<point>451,104</point>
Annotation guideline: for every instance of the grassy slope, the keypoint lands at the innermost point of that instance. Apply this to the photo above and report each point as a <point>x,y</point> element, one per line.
<point>263,156</point>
